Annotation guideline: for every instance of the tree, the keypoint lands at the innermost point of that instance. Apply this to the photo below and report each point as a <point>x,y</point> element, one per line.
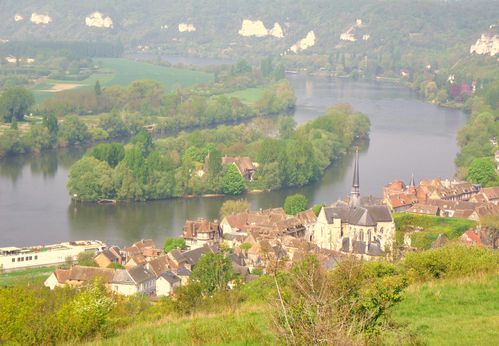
<point>13,124</point>
<point>90,180</point>
<point>286,127</point>
<point>212,273</point>
<point>50,122</point>
<point>73,132</point>
<point>482,171</point>
<point>232,207</point>
<point>295,204</point>
<point>15,103</point>
<point>112,153</point>
<point>97,88</point>
<point>233,182</point>
<point>86,259</point>
<point>491,225</point>
<point>174,243</point>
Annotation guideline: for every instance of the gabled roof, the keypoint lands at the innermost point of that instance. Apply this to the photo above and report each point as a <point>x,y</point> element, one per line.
<point>170,277</point>
<point>62,275</point>
<point>361,216</point>
<point>472,237</point>
<point>492,193</point>
<point>140,274</point>
<point>193,256</point>
<point>82,273</point>
<point>158,265</point>
<point>111,256</point>
<point>182,271</point>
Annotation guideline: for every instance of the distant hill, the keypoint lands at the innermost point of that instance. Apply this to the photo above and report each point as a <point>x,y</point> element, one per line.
<point>211,27</point>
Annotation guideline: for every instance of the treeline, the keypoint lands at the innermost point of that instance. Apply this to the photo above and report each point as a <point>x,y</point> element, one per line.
<point>191,163</point>
<point>125,110</point>
<point>58,48</point>
<point>478,139</point>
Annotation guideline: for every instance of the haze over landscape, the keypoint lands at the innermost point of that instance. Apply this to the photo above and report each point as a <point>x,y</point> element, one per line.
<point>265,172</point>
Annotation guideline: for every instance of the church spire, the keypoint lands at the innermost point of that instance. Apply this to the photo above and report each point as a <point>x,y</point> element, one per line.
<point>412,184</point>
<point>355,194</point>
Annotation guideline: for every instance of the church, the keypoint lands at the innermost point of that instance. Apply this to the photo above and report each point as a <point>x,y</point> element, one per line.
<point>363,230</point>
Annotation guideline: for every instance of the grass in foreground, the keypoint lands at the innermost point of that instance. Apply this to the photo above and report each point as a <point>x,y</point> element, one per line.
<point>32,276</point>
<point>453,311</point>
<point>249,326</point>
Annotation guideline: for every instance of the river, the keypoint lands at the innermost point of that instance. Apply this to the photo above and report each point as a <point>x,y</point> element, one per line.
<point>407,135</point>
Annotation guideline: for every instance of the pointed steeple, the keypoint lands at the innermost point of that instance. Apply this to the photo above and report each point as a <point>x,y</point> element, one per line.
<point>355,194</point>
<point>412,184</point>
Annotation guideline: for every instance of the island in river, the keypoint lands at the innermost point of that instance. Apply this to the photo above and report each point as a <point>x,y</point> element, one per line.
<point>407,135</point>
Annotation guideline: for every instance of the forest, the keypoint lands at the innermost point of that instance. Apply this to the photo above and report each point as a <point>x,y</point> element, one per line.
<point>191,163</point>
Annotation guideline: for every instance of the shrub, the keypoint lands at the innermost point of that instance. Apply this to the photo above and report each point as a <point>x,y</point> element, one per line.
<point>295,204</point>
<point>450,261</point>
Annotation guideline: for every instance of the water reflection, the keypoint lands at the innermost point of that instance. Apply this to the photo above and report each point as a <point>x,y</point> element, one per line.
<point>407,135</point>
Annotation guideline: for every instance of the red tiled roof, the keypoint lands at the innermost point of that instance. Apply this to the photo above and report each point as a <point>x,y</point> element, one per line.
<point>471,237</point>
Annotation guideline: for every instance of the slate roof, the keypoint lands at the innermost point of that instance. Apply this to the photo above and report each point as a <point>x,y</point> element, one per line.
<point>140,274</point>
<point>110,255</point>
<point>373,249</point>
<point>170,277</point>
<point>359,246</point>
<point>182,271</point>
<point>193,256</point>
<point>361,216</point>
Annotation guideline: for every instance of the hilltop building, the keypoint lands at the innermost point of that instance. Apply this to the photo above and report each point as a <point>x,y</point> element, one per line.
<point>364,230</point>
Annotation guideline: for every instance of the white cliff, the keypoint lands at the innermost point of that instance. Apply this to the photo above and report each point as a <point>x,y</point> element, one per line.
<point>305,43</point>
<point>37,18</point>
<point>487,44</point>
<point>186,27</point>
<point>98,20</point>
<point>256,28</point>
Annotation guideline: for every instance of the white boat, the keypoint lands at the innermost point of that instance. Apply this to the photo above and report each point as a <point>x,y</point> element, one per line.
<point>15,258</point>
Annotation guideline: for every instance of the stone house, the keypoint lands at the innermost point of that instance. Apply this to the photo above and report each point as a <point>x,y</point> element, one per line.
<point>244,165</point>
<point>136,280</point>
<point>108,256</point>
<point>199,232</point>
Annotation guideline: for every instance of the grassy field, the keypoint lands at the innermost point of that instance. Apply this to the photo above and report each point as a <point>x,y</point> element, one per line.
<point>33,276</point>
<point>431,227</point>
<point>249,326</point>
<point>460,311</point>
<point>123,72</point>
<point>248,96</point>
<point>453,312</point>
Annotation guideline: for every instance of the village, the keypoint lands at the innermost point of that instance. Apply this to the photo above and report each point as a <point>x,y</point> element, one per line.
<point>257,241</point>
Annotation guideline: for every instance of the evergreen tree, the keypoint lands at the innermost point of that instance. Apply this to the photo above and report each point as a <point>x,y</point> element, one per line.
<point>232,183</point>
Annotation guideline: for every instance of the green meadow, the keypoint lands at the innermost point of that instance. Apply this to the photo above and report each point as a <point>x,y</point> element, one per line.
<point>462,311</point>
<point>119,71</point>
<point>32,276</point>
<point>248,96</point>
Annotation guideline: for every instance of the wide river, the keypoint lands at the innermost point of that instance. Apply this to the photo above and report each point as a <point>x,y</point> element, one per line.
<point>407,135</point>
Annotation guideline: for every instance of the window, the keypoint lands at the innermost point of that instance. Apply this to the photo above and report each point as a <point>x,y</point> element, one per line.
<point>13,260</point>
<point>36,257</point>
<point>18,259</point>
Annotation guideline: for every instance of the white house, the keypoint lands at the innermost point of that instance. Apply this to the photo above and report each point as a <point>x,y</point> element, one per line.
<point>58,278</point>
<point>166,283</point>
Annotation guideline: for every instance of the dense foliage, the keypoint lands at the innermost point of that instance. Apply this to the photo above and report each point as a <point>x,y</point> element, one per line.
<point>15,103</point>
<point>191,163</point>
<point>295,203</point>
<point>478,139</point>
<point>174,243</point>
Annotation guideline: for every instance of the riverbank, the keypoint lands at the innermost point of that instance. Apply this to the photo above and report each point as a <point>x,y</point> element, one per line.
<point>399,142</point>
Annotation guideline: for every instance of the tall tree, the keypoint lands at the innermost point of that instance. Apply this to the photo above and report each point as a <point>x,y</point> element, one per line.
<point>15,103</point>
<point>233,182</point>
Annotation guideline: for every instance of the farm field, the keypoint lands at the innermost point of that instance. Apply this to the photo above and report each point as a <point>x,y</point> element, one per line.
<point>248,96</point>
<point>122,71</point>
